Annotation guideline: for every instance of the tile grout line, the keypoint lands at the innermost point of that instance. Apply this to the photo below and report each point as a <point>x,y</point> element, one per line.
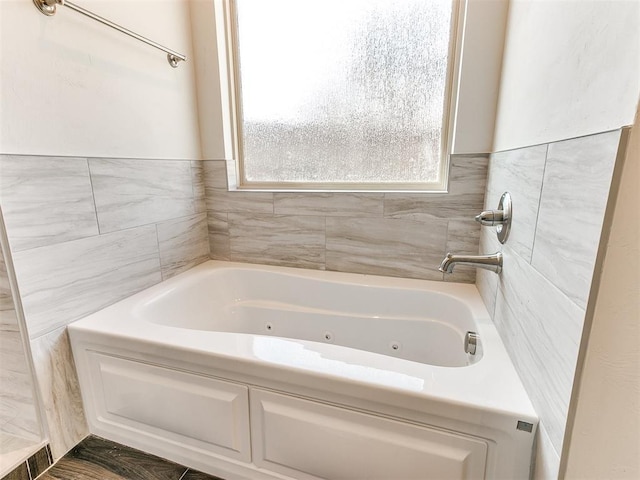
<point>93,195</point>
<point>26,462</point>
<point>325,242</point>
<point>84,238</point>
<point>535,230</point>
<point>555,288</point>
<point>159,254</point>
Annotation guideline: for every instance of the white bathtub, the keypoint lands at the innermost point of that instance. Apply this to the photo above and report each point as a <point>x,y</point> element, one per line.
<point>252,372</point>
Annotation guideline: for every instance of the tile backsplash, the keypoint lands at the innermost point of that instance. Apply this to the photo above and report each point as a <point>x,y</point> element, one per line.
<point>84,275</point>
<point>538,303</point>
<point>46,200</point>
<point>129,194</point>
<point>574,196</point>
<point>18,415</point>
<point>393,234</point>
<point>85,233</point>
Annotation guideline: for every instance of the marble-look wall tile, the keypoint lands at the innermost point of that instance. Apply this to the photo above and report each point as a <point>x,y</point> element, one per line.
<point>465,199</point>
<point>386,246</point>
<point>63,282</point>
<point>577,179</point>
<point>86,233</point>
<point>183,244</point>
<point>541,328</point>
<point>197,181</point>
<point>215,174</point>
<point>520,173</point>
<point>12,354</point>
<point>8,320</point>
<point>18,415</point>
<point>6,299</point>
<point>220,200</point>
<point>46,200</point>
<point>468,174</point>
<point>486,281</point>
<point>240,202</point>
<point>463,237</point>
<point>295,241</point>
<point>329,204</point>
<point>130,193</point>
<point>19,412</point>
<point>538,303</point>
<point>60,391</point>
<point>219,243</point>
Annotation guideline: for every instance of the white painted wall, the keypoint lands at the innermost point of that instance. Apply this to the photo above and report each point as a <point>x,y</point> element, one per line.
<point>605,440</point>
<point>570,68</point>
<point>480,69</point>
<point>211,113</point>
<point>71,86</point>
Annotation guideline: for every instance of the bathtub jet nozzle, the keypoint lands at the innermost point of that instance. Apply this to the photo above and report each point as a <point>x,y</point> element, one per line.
<point>491,262</point>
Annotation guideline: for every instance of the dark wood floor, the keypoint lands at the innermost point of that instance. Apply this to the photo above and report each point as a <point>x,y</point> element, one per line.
<point>98,459</point>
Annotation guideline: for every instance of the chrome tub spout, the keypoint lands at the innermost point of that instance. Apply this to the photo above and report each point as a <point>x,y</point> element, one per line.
<point>491,262</point>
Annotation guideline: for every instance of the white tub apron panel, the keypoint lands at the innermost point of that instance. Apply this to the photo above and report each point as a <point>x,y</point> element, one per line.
<point>310,440</point>
<point>181,407</point>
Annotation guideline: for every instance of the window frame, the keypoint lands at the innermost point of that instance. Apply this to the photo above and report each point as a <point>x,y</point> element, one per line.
<point>231,102</point>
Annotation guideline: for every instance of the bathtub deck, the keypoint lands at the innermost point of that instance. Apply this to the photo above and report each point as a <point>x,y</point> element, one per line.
<point>98,459</point>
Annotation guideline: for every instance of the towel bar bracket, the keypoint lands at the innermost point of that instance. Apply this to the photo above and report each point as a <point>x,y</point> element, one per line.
<point>173,60</point>
<point>48,7</point>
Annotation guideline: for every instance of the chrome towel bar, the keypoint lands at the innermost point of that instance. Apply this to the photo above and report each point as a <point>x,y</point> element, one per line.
<point>48,7</point>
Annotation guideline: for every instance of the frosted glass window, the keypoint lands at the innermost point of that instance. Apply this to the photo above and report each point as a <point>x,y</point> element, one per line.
<point>342,92</point>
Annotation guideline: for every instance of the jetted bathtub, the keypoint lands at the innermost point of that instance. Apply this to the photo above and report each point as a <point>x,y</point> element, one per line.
<point>258,372</point>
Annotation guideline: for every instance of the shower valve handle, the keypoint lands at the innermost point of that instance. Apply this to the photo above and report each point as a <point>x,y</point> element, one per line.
<point>491,218</point>
<point>499,218</point>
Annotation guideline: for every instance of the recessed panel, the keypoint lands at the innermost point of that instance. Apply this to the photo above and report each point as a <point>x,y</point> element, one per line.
<point>182,407</point>
<point>309,440</point>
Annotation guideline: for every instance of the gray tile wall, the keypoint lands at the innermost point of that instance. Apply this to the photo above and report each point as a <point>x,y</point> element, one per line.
<point>84,234</point>
<point>538,303</point>
<point>395,234</point>
<point>18,415</point>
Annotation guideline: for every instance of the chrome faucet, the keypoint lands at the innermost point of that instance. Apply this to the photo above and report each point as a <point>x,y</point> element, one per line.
<point>491,262</point>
